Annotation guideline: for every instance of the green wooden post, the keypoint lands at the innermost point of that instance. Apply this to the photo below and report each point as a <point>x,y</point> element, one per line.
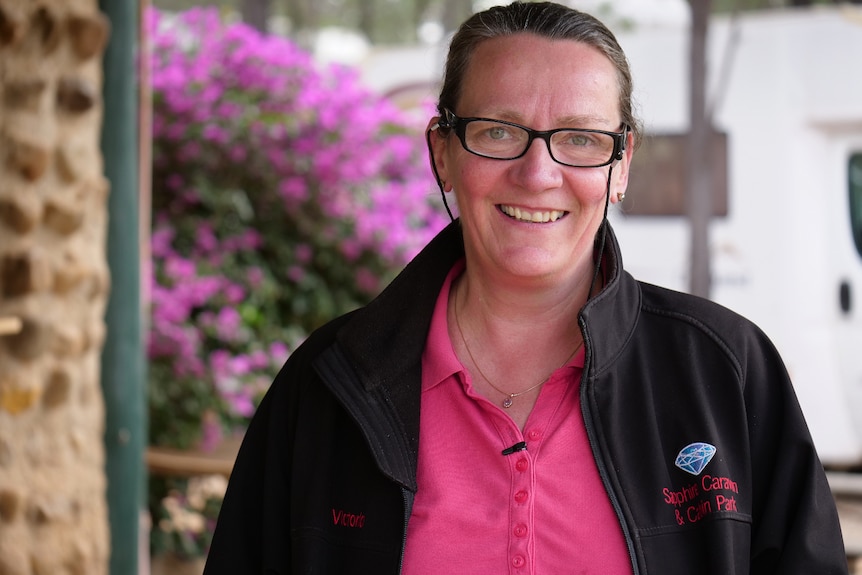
<point>123,356</point>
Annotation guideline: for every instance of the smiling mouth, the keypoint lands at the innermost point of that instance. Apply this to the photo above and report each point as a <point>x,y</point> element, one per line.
<point>532,217</point>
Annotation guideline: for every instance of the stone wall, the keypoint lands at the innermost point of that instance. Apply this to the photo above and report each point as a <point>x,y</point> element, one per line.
<point>54,277</point>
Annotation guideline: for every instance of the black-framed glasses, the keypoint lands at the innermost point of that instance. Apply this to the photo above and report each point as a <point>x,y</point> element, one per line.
<point>500,140</point>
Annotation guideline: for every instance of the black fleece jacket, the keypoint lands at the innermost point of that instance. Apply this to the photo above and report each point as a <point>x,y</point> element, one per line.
<point>693,421</point>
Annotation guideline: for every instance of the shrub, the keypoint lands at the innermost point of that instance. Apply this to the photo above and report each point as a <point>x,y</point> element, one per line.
<point>284,194</point>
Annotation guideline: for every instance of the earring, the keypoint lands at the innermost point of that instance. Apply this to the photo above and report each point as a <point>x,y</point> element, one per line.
<point>621,196</point>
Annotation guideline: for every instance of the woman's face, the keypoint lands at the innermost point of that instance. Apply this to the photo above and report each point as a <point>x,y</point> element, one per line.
<point>542,84</point>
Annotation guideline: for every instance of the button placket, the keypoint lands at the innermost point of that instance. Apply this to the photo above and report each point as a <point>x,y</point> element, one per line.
<point>521,512</point>
<point>522,501</point>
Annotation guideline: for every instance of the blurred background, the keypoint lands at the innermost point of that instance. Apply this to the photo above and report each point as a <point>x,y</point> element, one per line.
<point>190,187</point>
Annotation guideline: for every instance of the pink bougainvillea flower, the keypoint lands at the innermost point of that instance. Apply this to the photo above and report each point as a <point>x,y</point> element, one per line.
<point>284,193</point>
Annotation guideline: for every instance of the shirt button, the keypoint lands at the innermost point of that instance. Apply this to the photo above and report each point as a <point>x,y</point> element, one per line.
<point>518,561</point>
<point>520,530</point>
<point>521,496</point>
<point>534,434</point>
<point>522,464</point>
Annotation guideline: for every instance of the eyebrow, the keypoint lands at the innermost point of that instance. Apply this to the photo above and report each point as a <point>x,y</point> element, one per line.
<point>584,119</point>
<point>578,120</point>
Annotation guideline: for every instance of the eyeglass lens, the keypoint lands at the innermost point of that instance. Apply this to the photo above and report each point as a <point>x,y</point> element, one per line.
<point>505,141</point>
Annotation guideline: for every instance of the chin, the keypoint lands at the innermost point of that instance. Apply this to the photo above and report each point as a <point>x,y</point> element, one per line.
<point>531,262</point>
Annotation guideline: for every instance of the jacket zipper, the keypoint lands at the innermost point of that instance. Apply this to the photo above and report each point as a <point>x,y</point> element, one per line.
<point>603,472</point>
<point>406,496</point>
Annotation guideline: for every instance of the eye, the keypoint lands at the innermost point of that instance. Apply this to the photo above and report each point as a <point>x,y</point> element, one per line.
<point>494,139</point>
<point>498,132</point>
<point>579,139</point>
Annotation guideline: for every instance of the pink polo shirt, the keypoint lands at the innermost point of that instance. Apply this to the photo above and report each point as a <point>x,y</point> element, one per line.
<point>540,511</point>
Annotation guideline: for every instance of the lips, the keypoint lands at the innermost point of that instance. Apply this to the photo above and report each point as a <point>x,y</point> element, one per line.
<point>536,217</point>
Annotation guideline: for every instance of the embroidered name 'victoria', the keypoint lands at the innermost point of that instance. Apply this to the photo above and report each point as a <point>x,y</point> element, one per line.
<point>341,517</point>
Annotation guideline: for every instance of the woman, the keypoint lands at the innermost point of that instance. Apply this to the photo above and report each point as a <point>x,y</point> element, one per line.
<point>514,401</point>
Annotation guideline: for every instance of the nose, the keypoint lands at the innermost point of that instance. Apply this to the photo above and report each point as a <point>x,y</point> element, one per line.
<point>537,168</point>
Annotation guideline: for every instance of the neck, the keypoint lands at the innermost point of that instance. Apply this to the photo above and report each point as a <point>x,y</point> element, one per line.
<point>522,310</point>
<point>536,332</point>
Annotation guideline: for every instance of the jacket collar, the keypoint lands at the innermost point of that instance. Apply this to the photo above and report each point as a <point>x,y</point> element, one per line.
<point>381,345</point>
<point>385,339</point>
<point>608,319</point>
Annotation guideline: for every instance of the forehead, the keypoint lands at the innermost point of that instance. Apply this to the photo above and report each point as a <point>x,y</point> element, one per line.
<point>525,77</point>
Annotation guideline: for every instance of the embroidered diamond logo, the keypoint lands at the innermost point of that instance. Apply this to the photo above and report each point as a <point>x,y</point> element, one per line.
<point>694,457</point>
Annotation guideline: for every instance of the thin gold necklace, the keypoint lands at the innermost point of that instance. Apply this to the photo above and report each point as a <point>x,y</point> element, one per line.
<point>507,403</point>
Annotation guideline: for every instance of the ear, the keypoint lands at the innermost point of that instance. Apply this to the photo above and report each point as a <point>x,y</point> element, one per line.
<point>438,143</point>
<point>621,170</point>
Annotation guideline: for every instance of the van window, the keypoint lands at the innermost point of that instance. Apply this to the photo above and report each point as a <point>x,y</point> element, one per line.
<point>855,189</point>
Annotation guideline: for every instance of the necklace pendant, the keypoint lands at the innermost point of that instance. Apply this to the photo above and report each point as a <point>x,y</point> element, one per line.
<point>507,403</point>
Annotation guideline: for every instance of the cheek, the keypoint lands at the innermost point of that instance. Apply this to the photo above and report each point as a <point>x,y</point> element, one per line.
<point>591,187</point>
<point>471,178</point>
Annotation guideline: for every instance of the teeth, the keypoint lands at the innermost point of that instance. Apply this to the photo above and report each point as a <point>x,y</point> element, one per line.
<point>534,217</point>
